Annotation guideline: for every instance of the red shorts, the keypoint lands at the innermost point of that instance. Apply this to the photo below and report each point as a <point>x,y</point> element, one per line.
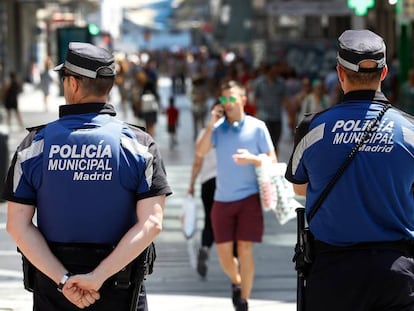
<point>238,220</point>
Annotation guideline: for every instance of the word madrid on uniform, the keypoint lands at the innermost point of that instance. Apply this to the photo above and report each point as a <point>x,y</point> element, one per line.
<point>88,161</point>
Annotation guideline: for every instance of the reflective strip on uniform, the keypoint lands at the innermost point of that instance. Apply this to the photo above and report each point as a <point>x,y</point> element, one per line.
<point>307,141</point>
<point>28,153</point>
<point>136,148</point>
<point>408,135</point>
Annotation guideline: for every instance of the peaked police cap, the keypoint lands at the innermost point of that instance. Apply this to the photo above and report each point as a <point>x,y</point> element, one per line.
<point>357,46</point>
<point>88,60</point>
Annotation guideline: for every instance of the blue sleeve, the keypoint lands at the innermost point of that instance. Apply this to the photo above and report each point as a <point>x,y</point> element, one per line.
<point>265,141</point>
<point>25,172</point>
<point>145,172</point>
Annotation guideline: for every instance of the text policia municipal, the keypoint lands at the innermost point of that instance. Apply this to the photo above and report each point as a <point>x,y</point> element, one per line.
<point>380,138</point>
<point>88,161</point>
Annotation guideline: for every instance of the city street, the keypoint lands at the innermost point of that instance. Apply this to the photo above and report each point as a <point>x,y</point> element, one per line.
<point>174,285</point>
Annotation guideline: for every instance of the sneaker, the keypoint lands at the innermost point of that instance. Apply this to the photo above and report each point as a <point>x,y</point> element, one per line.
<point>236,294</point>
<point>202,261</point>
<point>242,305</point>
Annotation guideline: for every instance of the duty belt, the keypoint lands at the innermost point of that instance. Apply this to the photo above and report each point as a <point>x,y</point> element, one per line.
<point>83,258</point>
<point>403,246</point>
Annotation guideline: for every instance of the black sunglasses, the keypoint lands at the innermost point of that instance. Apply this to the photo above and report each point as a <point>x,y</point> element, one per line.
<point>63,75</point>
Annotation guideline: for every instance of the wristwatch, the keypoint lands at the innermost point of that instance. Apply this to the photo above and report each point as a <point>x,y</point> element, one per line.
<point>63,281</point>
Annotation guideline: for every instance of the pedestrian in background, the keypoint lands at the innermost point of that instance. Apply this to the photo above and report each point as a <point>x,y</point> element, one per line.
<point>98,186</point>
<point>199,96</point>
<point>46,81</point>
<point>172,121</point>
<point>204,168</point>
<point>147,105</point>
<point>406,94</point>
<point>271,98</point>
<point>297,102</point>
<point>122,82</point>
<point>316,101</point>
<point>10,95</point>
<point>364,228</point>
<point>178,72</point>
<point>236,215</point>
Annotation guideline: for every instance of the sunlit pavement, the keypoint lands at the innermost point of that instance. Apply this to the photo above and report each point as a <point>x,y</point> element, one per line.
<point>174,285</point>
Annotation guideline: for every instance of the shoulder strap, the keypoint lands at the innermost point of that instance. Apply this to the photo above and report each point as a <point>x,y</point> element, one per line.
<point>344,165</point>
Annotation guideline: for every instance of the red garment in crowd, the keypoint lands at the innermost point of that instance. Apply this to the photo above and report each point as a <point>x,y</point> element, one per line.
<point>172,116</point>
<point>250,109</point>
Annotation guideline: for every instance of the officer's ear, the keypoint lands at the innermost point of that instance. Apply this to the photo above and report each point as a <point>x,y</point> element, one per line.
<point>384,72</point>
<point>75,84</point>
<point>340,72</point>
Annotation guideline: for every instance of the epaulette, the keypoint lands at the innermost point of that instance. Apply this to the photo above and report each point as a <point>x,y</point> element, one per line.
<point>136,126</point>
<point>36,128</point>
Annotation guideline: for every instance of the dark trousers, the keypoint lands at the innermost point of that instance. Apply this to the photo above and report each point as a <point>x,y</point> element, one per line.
<point>361,280</point>
<point>275,130</point>
<point>178,84</point>
<point>82,258</point>
<point>207,196</point>
<point>47,298</point>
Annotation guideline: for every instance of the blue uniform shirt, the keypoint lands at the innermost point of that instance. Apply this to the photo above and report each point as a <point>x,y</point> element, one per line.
<point>373,200</point>
<point>85,173</point>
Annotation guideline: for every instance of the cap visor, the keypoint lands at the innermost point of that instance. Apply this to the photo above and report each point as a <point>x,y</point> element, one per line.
<point>58,67</point>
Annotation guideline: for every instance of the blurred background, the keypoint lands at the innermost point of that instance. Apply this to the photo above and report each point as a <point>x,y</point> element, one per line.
<point>301,32</point>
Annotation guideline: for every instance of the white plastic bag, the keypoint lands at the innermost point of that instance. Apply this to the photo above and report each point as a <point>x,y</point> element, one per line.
<point>148,103</point>
<point>189,216</point>
<point>276,192</point>
<point>268,194</point>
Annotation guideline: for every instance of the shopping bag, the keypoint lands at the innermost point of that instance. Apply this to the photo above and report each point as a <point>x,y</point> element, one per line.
<point>148,103</point>
<point>276,192</point>
<point>268,194</point>
<point>189,217</point>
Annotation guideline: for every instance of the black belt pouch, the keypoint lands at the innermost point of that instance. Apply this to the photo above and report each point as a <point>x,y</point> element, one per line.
<point>85,257</point>
<point>80,257</point>
<point>28,273</point>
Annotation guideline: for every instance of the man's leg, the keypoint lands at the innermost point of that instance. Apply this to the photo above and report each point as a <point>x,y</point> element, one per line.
<point>247,267</point>
<point>224,224</point>
<point>250,228</point>
<point>228,262</point>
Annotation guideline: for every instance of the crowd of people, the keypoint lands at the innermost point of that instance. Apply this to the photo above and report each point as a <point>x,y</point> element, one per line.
<point>273,89</point>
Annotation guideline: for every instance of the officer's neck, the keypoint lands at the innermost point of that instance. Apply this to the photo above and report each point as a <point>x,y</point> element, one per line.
<point>88,99</point>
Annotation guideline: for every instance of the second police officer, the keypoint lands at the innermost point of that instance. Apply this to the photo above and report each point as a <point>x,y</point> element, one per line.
<point>364,228</point>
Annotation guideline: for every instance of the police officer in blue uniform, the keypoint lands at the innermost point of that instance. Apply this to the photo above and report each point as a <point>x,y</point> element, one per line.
<point>364,229</point>
<point>98,187</point>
